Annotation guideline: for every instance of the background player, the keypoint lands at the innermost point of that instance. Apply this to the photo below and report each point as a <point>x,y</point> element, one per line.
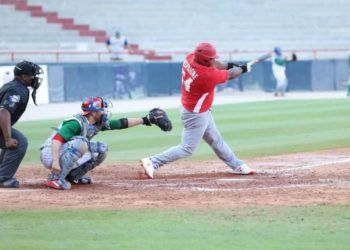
<point>70,154</point>
<point>201,72</point>
<point>117,45</point>
<point>14,98</point>
<point>279,70</point>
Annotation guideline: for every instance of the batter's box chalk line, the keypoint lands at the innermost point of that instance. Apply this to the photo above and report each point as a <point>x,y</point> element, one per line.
<point>304,167</point>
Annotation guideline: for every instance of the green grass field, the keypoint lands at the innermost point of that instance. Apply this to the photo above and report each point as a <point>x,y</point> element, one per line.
<point>252,130</point>
<point>312,227</point>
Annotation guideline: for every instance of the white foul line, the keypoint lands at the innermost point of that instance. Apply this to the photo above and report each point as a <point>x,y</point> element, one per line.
<point>309,166</point>
<point>200,189</point>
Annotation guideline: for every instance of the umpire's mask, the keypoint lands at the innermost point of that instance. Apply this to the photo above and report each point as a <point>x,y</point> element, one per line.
<point>33,70</point>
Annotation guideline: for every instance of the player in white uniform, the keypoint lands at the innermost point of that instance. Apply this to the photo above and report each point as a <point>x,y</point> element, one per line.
<point>279,70</point>
<point>117,45</point>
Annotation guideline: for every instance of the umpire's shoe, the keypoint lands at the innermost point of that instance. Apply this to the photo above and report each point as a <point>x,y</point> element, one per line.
<point>10,183</point>
<point>147,165</point>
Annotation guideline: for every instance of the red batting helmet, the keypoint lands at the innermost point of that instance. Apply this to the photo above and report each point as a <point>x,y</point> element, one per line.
<point>204,53</point>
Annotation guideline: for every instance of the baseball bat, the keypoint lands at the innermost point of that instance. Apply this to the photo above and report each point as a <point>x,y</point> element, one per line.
<point>260,59</point>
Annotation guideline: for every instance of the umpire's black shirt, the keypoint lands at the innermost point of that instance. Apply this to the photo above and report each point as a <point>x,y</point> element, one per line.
<point>14,97</point>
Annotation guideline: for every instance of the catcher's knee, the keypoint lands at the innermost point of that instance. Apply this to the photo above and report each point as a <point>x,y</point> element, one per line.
<point>79,143</point>
<point>98,152</point>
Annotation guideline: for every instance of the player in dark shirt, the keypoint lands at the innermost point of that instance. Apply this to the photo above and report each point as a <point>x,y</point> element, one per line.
<point>14,98</point>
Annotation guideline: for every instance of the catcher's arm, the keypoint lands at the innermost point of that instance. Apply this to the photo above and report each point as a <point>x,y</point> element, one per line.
<point>155,116</point>
<point>132,122</point>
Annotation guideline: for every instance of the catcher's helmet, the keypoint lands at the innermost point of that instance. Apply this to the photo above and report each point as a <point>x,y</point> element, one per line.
<point>93,104</point>
<point>204,53</point>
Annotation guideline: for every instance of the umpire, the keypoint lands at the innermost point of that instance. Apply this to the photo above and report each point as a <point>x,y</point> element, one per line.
<point>14,98</point>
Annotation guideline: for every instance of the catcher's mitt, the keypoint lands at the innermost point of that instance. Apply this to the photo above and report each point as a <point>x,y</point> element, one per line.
<point>294,57</point>
<point>160,118</point>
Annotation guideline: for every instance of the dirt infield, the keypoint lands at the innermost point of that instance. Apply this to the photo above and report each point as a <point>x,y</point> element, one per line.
<point>297,179</point>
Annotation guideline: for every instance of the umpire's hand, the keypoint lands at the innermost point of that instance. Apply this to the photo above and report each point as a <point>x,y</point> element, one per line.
<point>11,143</point>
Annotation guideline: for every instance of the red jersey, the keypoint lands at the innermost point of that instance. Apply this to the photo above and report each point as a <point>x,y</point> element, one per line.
<point>198,84</point>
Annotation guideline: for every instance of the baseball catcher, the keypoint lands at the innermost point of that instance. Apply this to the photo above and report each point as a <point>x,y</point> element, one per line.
<point>70,153</point>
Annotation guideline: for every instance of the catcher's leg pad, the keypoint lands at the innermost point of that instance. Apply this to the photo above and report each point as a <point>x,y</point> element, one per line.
<point>98,151</point>
<point>98,155</point>
<point>70,155</point>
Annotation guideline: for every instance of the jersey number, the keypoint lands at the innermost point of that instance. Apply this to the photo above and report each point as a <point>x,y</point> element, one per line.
<point>186,81</point>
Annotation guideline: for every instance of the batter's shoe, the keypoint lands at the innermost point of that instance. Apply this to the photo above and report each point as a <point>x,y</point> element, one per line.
<point>84,180</point>
<point>10,183</point>
<point>58,184</point>
<point>244,170</point>
<point>147,165</point>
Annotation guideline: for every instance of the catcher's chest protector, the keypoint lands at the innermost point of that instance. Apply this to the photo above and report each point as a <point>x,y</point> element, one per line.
<point>87,130</point>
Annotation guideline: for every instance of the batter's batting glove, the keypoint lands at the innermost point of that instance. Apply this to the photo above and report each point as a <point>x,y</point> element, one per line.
<point>247,67</point>
<point>158,117</point>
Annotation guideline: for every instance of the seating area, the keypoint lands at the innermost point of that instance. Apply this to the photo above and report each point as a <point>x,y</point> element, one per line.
<point>168,26</point>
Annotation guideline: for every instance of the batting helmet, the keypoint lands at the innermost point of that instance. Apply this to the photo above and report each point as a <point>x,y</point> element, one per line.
<point>92,104</point>
<point>204,53</point>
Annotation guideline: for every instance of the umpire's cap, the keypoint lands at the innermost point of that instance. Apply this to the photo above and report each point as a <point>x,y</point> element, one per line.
<point>27,68</point>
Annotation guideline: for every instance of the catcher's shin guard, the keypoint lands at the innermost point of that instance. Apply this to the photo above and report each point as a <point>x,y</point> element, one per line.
<point>80,171</point>
<point>99,154</point>
<point>68,161</point>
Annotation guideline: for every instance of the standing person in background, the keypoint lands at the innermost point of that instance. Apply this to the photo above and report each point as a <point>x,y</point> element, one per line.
<point>201,73</point>
<point>279,70</point>
<point>14,97</point>
<point>117,45</point>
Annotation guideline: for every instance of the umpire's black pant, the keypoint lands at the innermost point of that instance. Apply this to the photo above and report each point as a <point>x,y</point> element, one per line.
<point>10,159</point>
